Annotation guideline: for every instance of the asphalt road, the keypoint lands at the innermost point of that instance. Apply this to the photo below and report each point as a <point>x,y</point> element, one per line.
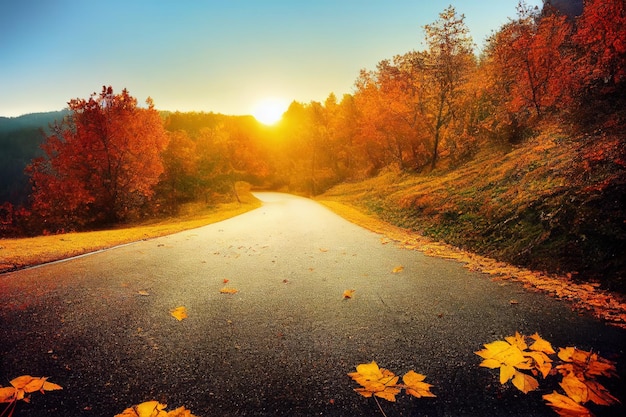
<point>282,345</point>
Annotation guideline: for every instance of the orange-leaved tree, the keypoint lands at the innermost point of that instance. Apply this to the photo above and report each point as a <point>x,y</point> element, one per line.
<point>601,37</point>
<point>100,163</point>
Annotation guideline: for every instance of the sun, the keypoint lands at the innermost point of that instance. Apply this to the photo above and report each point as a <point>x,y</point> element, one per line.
<point>270,110</point>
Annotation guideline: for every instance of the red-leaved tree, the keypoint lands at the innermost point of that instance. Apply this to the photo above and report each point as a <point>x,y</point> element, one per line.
<point>100,163</point>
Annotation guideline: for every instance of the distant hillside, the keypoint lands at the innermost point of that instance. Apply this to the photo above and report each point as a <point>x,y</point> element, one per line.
<point>20,138</point>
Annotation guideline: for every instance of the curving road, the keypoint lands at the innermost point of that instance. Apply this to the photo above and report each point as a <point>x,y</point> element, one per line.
<point>283,344</point>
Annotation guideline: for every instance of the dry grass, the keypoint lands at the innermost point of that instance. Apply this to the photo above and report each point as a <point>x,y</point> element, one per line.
<point>549,204</point>
<point>21,253</point>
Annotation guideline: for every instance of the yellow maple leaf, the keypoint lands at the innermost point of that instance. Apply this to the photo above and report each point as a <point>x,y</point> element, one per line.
<point>179,313</point>
<point>525,382</point>
<point>506,373</point>
<point>415,385</point>
<point>376,381</point>
<point>541,345</point>
<point>153,409</point>
<point>510,356</point>
<point>348,293</point>
<point>517,340</point>
<point>541,362</point>
<point>145,409</point>
<point>227,290</point>
<point>565,406</point>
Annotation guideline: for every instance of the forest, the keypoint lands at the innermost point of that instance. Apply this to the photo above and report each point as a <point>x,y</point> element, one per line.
<point>108,160</point>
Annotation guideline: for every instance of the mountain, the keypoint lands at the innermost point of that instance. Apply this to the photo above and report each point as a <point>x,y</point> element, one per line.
<point>20,138</point>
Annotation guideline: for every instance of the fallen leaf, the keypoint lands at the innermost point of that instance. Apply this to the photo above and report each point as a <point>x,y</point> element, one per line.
<point>541,345</point>
<point>142,292</point>
<point>525,382</point>
<point>348,293</point>
<point>415,386</point>
<point>575,388</point>
<point>323,250</point>
<point>599,394</point>
<point>588,363</point>
<point>376,381</point>
<point>49,386</point>
<point>397,269</point>
<point>513,302</point>
<point>565,406</point>
<point>226,280</point>
<point>179,313</point>
<point>227,290</point>
<point>8,394</point>
<point>145,409</point>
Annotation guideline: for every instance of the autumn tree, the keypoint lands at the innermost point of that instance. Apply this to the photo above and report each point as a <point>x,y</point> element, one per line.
<point>601,39</point>
<point>533,58</point>
<point>101,163</point>
<point>393,99</point>
<point>450,60</point>
<point>179,181</point>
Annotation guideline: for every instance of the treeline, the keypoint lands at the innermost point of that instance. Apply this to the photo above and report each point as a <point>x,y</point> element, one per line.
<point>444,102</point>
<point>112,161</point>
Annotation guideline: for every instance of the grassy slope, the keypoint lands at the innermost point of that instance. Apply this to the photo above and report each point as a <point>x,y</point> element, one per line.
<point>553,203</point>
<point>20,253</point>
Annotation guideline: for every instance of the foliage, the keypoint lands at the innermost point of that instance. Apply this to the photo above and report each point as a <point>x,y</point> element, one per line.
<point>522,363</point>
<point>154,409</point>
<point>100,163</point>
<point>21,388</point>
<point>382,383</point>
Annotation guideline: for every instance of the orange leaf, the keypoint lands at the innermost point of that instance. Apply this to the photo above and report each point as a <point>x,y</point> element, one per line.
<point>524,382</point>
<point>36,384</point>
<point>565,406</point>
<point>21,381</point>
<point>226,280</point>
<point>348,293</point>
<point>179,313</point>
<point>49,386</point>
<point>397,269</point>
<point>415,386</point>
<point>8,394</point>
<point>599,394</point>
<point>575,388</point>
<point>227,290</point>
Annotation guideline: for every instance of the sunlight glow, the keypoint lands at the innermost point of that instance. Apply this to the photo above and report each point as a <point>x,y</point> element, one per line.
<point>270,110</point>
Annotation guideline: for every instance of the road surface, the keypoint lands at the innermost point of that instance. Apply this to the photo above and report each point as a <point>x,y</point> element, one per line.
<point>100,325</point>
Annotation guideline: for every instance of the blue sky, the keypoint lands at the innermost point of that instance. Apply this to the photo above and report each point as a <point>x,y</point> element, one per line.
<point>222,56</point>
